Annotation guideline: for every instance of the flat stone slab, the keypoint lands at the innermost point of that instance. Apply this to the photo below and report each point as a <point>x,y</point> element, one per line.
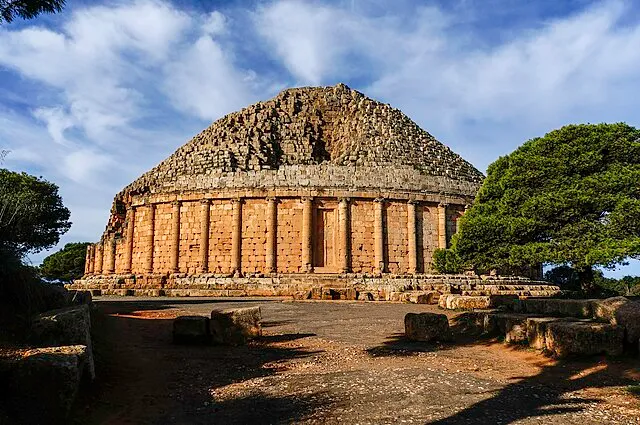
<point>236,326</point>
<point>583,338</point>
<point>191,330</point>
<point>426,327</point>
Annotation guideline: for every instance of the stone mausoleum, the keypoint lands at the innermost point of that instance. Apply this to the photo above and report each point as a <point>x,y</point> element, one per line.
<point>318,192</point>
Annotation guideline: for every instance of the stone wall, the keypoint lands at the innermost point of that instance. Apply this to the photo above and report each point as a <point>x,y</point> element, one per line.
<point>253,236</point>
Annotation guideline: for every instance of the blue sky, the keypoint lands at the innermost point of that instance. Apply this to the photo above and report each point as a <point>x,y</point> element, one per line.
<point>92,97</point>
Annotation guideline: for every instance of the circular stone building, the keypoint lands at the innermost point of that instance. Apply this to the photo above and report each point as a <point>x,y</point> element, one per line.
<point>315,188</point>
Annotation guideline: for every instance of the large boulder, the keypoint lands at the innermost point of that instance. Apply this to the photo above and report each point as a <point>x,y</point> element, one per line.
<point>583,338</point>
<point>426,327</point>
<point>65,326</point>
<point>623,312</point>
<point>191,330</point>
<point>236,326</point>
<point>41,385</point>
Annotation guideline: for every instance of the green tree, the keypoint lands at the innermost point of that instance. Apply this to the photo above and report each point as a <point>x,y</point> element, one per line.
<point>446,261</point>
<point>32,216</point>
<point>66,264</point>
<point>571,196</point>
<point>27,9</point>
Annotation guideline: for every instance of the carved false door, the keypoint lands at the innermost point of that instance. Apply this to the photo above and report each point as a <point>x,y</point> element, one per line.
<point>324,252</point>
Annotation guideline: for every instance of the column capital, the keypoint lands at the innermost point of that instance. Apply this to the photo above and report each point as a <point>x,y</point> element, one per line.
<point>205,201</point>
<point>467,206</point>
<point>237,200</point>
<point>271,199</point>
<point>413,202</point>
<point>380,200</point>
<point>443,204</point>
<point>306,198</point>
<point>176,203</point>
<point>344,199</point>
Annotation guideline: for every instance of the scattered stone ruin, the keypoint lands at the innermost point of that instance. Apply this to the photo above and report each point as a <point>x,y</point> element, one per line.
<point>315,188</point>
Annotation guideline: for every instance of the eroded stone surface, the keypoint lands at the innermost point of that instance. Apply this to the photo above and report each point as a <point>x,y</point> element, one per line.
<point>427,327</point>
<point>44,382</point>
<point>236,326</point>
<point>565,338</point>
<point>66,326</point>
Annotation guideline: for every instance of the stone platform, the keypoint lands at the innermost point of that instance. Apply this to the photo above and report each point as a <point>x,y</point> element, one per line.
<point>306,286</point>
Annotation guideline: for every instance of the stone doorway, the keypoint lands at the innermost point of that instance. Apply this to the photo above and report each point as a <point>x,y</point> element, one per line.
<point>324,260</point>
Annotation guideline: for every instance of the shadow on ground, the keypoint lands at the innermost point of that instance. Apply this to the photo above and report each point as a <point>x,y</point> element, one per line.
<point>548,393</point>
<point>144,378</point>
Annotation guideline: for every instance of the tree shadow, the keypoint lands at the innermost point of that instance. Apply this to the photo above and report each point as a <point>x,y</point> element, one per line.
<point>144,378</point>
<point>555,390</point>
<point>550,392</point>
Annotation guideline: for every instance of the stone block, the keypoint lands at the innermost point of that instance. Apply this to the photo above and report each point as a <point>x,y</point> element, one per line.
<point>235,327</point>
<point>559,308</point>
<point>623,312</point>
<point>469,323</point>
<point>537,330</point>
<point>512,326</point>
<point>583,338</point>
<point>41,386</point>
<point>191,330</point>
<point>427,297</point>
<point>66,326</point>
<point>426,327</point>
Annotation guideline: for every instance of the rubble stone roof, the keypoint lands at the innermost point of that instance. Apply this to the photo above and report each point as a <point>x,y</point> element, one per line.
<point>326,137</point>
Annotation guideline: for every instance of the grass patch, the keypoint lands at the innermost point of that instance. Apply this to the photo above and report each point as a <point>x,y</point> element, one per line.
<point>634,389</point>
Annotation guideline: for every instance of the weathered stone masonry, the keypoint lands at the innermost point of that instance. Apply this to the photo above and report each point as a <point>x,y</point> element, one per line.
<point>338,235</point>
<point>314,182</point>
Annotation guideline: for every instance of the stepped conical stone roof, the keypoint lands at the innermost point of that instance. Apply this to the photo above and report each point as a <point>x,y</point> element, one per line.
<point>314,137</point>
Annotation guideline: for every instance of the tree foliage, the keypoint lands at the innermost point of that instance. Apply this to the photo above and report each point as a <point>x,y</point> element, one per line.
<point>32,216</point>
<point>571,196</point>
<point>27,9</point>
<point>446,261</point>
<point>66,264</point>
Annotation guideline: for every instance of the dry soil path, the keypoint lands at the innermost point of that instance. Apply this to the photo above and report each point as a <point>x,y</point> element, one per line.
<point>334,362</point>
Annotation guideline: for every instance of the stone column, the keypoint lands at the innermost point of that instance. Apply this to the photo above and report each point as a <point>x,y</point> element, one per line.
<point>175,237</point>
<point>412,237</point>
<point>344,221</point>
<point>128,250</point>
<point>378,230</point>
<point>442,226</point>
<point>98,252</point>
<point>88,259</point>
<point>205,206</point>
<point>307,234</point>
<point>111,265</point>
<point>236,238</point>
<point>92,258</point>
<point>152,228</point>
<point>272,229</point>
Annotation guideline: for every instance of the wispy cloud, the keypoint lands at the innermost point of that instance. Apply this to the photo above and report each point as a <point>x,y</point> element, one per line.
<point>115,89</point>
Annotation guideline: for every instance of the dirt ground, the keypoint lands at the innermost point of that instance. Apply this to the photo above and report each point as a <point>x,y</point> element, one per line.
<point>334,362</point>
